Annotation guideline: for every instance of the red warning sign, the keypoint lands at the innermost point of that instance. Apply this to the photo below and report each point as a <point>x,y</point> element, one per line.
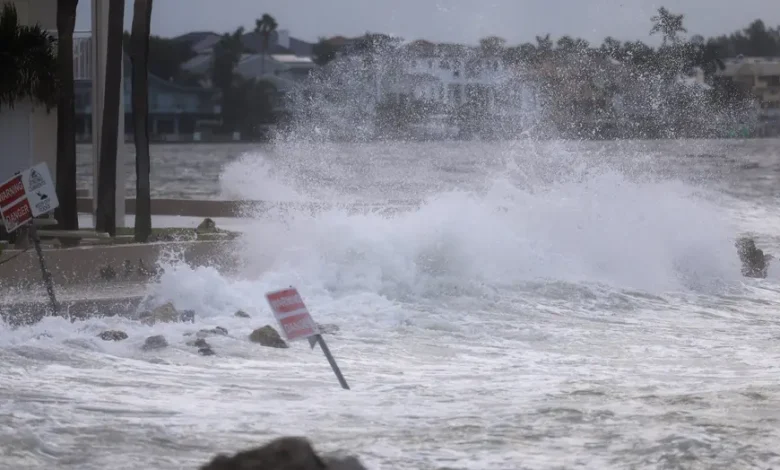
<point>17,215</point>
<point>291,313</point>
<point>11,190</point>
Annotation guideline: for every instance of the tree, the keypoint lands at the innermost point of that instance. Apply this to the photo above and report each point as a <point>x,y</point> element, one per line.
<point>668,24</point>
<point>227,55</point>
<point>492,46</point>
<point>28,66</point>
<point>266,25</point>
<point>166,56</point>
<point>324,52</point>
<point>105,217</point>
<point>139,54</point>
<point>67,213</point>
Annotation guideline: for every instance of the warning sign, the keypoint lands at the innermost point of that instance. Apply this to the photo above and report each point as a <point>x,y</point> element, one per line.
<point>291,313</point>
<point>16,215</point>
<point>40,190</point>
<point>36,180</point>
<point>11,190</point>
<point>26,195</point>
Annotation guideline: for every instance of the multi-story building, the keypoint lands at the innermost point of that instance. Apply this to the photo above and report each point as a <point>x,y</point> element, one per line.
<point>175,111</point>
<point>287,63</point>
<point>761,75</point>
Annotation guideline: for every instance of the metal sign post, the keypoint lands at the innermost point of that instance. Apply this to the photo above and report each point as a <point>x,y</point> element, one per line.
<point>47,281</point>
<point>26,195</point>
<point>332,361</point>
<point>297,323</point>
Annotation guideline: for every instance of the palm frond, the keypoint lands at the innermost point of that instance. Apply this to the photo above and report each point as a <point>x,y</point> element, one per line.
<point>28,62</point>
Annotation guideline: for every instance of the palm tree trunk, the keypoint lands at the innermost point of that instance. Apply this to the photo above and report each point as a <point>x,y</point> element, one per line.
<point>67,213</point>
<point>139,54</point>
<point>105,218</point>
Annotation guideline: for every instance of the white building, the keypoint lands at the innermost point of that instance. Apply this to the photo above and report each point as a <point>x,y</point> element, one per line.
<point>28,135</point>
<point>446,74</point>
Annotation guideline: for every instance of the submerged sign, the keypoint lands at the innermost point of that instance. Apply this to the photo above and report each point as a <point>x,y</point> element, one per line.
<point>29,194</point>
<point>297,323</point>
<point>291,313</point>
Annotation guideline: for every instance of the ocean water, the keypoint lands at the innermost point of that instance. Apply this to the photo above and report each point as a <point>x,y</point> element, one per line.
<point>523,306</point>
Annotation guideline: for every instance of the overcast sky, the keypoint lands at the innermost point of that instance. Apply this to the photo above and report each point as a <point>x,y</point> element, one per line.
<point>451,20</point>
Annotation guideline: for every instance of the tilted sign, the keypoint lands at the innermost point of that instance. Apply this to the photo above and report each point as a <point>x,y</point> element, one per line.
<point>29,194</point>
<point>291,313</point>
<point>297,323</point>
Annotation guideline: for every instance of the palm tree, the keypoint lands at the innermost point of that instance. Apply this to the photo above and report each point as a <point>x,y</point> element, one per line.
<point>266,25</point>
<point>67,213</point>
<point>28,65</point>
<point>668,25</point>
<point>105,218</point>
<point>139,54</point>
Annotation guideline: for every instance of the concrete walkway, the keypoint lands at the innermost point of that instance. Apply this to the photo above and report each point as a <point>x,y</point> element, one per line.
<point>183,221</point>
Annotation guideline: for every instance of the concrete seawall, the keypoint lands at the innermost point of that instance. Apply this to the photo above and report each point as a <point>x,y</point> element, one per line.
<point>110,263</point>
<point>28,312</point>
<point>209,208</point>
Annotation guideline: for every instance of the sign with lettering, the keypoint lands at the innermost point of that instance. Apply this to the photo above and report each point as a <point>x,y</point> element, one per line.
<point>16,215</point>
<point>28,194</point>
<point>291,313</point>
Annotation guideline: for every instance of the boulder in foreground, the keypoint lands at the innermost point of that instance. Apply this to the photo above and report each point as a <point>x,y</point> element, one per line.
<point>285,453</point>
<point>155,342</point>
<point>754,262</point>
<point>267,336</point>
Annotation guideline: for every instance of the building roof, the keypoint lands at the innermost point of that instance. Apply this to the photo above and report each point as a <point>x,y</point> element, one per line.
<point>292,59</point>
<point>253,41</point>
<point>195,36</point>
<point>751,66</point>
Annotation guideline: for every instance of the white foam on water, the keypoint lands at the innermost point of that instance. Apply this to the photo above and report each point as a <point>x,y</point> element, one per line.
<point>598,320</point>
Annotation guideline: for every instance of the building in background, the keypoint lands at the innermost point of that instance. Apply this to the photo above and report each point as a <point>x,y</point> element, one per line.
<point>176,112</point>
<point>760,75</point>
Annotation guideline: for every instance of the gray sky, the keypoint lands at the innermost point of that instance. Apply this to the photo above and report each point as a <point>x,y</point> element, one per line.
<point>452,20</point>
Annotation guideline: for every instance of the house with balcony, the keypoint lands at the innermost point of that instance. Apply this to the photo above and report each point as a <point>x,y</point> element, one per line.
<point>176,112</point>
<point>287,60</point>
<point>760,75</point>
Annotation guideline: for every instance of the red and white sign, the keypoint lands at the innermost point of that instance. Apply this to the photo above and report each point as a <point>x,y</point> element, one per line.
<point>11,190</point>
<point>26,195</point>
<point>291,313</point>
<point>17,215</point>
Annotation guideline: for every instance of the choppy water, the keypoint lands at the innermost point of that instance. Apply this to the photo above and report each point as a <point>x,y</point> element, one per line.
<point>542,306</point>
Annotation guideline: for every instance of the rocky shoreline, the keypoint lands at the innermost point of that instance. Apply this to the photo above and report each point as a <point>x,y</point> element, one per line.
<point>264,336</point>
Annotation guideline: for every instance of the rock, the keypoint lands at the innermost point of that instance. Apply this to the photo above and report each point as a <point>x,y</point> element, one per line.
<point>207,226</point>
<point>187,315</point>
<point>346,463</point>
<point>286,453</point>
<point>166,313</point>
<point>242,314</point>
<point>267,336</point>
<point>754,262</point>
<point>207,351</point>
<point>155,342</point>
<point>218,331</point>
<point>328,328</point>
<point>199,343</point>
<point>113,335</point>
